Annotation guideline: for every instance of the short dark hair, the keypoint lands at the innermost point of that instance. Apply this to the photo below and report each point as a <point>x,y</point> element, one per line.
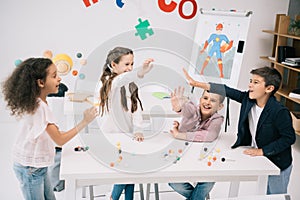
<point>221,97</point>
<point>270,75</point>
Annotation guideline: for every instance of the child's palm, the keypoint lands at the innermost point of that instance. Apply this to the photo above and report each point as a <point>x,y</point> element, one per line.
<point>177,99</point>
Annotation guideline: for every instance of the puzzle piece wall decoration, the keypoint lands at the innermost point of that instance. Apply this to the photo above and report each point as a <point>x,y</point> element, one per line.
<point>143,29</point>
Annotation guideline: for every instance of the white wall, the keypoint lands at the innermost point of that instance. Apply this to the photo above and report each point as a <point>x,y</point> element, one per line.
<point>28,28</point>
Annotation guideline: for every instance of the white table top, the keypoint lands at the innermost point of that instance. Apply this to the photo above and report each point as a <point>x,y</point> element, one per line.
<point>82,166</point>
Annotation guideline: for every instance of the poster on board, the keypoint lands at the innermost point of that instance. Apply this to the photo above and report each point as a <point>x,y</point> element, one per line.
<point>220,40</point>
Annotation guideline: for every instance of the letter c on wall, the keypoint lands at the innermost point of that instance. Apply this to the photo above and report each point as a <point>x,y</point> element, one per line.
<point>167,7</point>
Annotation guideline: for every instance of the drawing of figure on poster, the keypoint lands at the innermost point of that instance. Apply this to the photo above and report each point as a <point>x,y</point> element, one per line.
<point>217,38</point>
<point>219,44</point>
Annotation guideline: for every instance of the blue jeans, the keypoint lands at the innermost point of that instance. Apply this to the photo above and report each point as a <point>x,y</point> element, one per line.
<point>199,192</point>
<point>35,183</point>
<point>118,188</point>
<point>53,171</point>
<point>278,184</point>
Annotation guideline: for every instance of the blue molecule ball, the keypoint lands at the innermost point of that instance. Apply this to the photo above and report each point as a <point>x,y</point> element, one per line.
<point>81,76</point>
<point>18,62</point>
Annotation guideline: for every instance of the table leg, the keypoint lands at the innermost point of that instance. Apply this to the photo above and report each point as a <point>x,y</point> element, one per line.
<point>262,185</point>
<point>91,188</point>
<point>83,192</point>
<point>156,191</point>
<point>234,189</point>
<point>148,191</point>
<point>70,188</point>
<point>141,191</point>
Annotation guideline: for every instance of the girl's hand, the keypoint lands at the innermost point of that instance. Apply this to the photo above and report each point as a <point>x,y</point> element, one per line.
<point>254,152</point>
<point>147,66</point>
<point>90,114</point>
<point>177,99</point>
<point>138,137</point>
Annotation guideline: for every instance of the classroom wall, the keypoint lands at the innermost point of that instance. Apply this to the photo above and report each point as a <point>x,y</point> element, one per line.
<point>28,28</point>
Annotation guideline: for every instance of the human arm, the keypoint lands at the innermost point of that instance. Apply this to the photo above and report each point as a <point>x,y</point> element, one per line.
<point>281,135</point>
<point>176,134</point>
<point>147,66</point>
<point>192,82</point>
<point>207,132</point>
<point>60,138</point>
<point>204,46</point>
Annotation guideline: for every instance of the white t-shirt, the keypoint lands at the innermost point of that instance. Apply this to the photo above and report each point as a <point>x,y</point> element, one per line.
<point>117,119</point>
<point>253,118</point>
<point>33,146</point>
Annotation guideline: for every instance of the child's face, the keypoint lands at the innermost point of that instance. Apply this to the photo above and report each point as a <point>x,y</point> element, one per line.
<point>257,87</point>
<point>125,64</point>
<point>209,104</point>
<point>51,84</point>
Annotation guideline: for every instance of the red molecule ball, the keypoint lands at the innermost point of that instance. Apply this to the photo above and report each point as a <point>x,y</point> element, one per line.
<point>74,72</point>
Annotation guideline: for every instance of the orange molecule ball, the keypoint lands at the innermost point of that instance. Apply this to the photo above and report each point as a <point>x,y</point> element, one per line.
<point>74,72</point>
<point>112,164</point>
<point>209,163</point>
<point>48,54</point>
<point>214,158</point>
<point>179,150</point>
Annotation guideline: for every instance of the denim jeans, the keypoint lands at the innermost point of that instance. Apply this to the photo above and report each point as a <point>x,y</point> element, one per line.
<point>35,183</point>
<point>199,192</point>
<point>118,188</point>
<point>53,171</point>
<point>278,184</point>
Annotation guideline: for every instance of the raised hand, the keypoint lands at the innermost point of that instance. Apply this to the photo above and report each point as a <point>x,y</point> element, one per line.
<point>190,80</point>
<point>147,66</point>
<point>177,99</point>
<point>90,114</point>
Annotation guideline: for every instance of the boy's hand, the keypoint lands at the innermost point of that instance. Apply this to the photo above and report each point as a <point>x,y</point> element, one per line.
<point>90,114</point>
<point>254,152</point>
<point>190,80</point>
<point>175,125</point>
<point>174,132</point>
<point>177,99</point>
<point>138,137</point>
<point>147,66</point>
<point>178,135</point>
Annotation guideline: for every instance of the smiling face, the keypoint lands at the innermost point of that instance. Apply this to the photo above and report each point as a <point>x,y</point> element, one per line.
<point>51,83</point>
<point>209,104</point>
<point>125,64</point>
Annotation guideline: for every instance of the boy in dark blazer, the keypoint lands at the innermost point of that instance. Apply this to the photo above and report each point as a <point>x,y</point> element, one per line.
<point>264,123</point>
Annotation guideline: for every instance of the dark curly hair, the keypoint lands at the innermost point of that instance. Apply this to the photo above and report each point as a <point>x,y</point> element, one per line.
<point>21,90</point>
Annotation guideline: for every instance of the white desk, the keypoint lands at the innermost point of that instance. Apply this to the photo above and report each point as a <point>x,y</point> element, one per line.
<point>81,169</point>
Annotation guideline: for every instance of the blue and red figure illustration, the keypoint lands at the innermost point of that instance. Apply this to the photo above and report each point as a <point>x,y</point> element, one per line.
<point>220,45</point>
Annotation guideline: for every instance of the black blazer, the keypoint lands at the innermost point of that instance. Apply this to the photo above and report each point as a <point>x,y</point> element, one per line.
<point>275,133</point>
